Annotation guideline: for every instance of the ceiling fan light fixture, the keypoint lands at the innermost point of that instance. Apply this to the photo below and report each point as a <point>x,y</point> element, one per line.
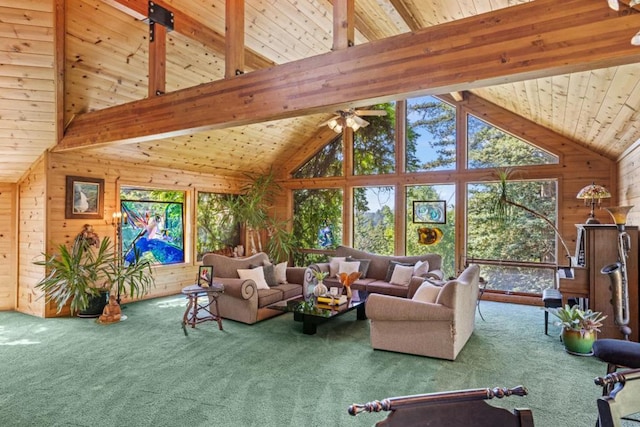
<point>613,4</point>
<point>635,40</point>
<point>332,123</point>
<point>337,128</point>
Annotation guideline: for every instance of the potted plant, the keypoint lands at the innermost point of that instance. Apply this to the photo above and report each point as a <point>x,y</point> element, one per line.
<point>90,269</point>
<point>579,327</point>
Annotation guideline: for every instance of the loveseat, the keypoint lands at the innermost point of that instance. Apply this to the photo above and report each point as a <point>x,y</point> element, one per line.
<point>377,271</point>
<point>436,322</point>
<point>242,300</point>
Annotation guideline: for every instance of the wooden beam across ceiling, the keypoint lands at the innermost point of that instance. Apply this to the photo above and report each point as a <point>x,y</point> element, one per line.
<point>192,28</point>
<point>508,45</point>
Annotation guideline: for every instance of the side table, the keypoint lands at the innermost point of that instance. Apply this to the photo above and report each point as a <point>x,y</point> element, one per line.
<point>197,312</point>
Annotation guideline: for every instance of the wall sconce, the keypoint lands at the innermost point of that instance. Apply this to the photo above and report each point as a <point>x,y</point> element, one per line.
<point>592,194</point>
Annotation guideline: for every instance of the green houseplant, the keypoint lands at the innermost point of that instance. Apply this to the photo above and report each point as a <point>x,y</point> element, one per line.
<point>579,327</point>
<point>90,268</point>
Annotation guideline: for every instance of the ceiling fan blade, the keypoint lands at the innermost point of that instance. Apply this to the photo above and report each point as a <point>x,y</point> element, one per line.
<point>327,122</point>
<point>360,122</point>
<point>370,112</point>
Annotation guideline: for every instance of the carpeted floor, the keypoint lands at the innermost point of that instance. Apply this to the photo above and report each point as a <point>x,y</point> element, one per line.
<point>146,372</point>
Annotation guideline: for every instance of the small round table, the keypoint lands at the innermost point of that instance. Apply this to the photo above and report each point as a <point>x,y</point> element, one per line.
<point>197,312</point>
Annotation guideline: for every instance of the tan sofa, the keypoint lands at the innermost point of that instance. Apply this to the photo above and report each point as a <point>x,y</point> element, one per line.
<point>242,300</point>
<point>436,322</point>
<point>374,281</point>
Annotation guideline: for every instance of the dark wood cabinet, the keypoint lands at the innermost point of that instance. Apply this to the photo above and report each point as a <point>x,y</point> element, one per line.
<point>597,246</point>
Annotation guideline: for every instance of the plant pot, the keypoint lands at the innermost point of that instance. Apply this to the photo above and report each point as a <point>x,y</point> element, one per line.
<point>96,305</point>
<point>577,343</point>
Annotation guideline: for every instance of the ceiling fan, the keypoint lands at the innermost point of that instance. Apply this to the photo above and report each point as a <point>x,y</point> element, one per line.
<point>351,118</point>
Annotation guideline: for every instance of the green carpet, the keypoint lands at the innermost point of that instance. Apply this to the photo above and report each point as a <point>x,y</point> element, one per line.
<point>146,372</point>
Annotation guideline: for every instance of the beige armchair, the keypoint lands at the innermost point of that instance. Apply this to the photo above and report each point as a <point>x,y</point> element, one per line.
<point>436,322</point>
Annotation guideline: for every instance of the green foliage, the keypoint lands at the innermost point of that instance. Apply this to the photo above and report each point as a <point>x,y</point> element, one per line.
<point>214,233</point>
<point>78,274</point>
<point>374,231</point>
<point>326,162</point>
<point>575,319</point>
<point>374,145</point>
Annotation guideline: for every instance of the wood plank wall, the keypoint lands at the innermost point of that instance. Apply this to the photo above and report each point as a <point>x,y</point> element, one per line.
<point>169,279</point>
<point>629,183</point>
<point>32,213</point>
<point>8,246</point>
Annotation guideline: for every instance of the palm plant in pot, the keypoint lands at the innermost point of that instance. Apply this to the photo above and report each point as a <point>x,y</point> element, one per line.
<point>90,269</point>
<point>579,327</point>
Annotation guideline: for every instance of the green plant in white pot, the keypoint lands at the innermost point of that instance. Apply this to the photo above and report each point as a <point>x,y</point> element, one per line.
<point>579,327</point>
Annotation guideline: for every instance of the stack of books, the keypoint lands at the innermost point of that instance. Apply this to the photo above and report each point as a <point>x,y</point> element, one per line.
<point>332,301</point>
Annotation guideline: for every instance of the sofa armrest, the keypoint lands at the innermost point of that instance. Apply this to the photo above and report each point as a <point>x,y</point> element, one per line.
<point>295,275</point>
<point>238,288</point>
<point>435,274</point>
<point>385,307</point>
<point>309,278</point>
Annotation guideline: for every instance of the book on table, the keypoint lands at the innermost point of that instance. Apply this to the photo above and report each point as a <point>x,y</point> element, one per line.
<point>342,299</point>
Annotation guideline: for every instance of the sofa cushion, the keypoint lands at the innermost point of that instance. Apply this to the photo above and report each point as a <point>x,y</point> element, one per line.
<point>268,296</point>
<point>280,271</point>
<point>269,274</point>
<point>364,265</point>
<point>421,268</point>
<point>401,275</point>
<point>334,265</point>
<point>349,267</point>
<point>288,290</point>
<point>255,274</point>
<point>380,287</point>
<point>392,266</point>
<point>426,293</point>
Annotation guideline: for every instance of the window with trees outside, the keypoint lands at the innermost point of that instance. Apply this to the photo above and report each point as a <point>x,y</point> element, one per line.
<point>374,219</point>
<point>152,225</point>
<point>317,222</point>
<point>215,230</point>
<point>374,146</point>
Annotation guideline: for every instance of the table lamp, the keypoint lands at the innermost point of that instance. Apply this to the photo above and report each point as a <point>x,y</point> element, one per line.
<point>593,194</point>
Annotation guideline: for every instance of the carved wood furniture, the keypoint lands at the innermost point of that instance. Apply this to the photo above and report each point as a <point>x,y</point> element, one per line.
<point>623,400</point>
<point>596,247</point>
<point>463,408</point>
<point>197,312</point>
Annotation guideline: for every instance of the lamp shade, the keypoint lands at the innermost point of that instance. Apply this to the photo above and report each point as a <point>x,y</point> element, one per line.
<point>593,192</point>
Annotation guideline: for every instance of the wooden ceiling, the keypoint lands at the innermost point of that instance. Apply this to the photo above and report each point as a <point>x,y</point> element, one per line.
<point>106,51</point>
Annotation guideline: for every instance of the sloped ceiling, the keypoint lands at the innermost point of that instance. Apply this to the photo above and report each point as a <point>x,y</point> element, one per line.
<point>106,64</point>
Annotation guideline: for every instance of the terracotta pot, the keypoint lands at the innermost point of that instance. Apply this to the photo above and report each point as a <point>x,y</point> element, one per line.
<point>576,343</point>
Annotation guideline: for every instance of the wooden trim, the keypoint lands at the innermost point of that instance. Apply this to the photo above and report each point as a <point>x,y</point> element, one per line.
<point>234,38</point>
<point>59,55</point>
<point>575,36</point>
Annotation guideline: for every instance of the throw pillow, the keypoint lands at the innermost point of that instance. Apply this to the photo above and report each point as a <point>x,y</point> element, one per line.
<point>334,265</point>
<point>348,267</point>
<point>269,274</point>
<point>364,266</point>
<point>392,266</point>
<point>421,268</point>
<point>402,275</point>
<point>255,274</point>
<point>427,293</point>
<point>281,273</point>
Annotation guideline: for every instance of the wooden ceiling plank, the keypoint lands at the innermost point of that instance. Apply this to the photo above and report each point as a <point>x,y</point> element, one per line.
<point>25,32</point>
<point>576,35</point>
<point>33,18</point>
<point>407,14</point>
<point>192,28</point>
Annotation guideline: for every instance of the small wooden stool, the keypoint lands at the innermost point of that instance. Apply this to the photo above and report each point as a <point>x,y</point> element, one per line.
<point>552,298</point>
<point>198,313</point>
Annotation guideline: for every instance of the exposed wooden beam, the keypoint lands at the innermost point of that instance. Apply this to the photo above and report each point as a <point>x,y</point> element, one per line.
<point>192,28</point>
<point>406,14</point>
<point>157,59</point>
<point>508,45</point>
<point>343,24</point>
<point>59,55</point>
<point>234,29</point>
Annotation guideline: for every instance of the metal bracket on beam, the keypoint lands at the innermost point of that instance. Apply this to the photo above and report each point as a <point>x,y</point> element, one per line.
<point>158,15</point>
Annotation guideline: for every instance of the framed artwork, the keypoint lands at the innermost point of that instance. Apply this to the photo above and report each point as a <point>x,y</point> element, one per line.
<point>205,276</point>
<point>430,211</point>
<point>84,198</point>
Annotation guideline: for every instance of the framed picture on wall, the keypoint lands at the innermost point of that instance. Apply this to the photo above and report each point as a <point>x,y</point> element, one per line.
<point>84,198</point>
<point>430,211</point>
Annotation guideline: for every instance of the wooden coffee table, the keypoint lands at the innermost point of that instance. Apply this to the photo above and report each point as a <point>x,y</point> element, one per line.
<point>312,316</point>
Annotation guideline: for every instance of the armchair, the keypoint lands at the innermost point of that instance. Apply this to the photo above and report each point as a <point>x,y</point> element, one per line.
<point>436,322</point>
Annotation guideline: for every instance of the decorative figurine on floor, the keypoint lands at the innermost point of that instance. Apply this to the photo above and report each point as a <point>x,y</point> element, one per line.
<point>112,312</point>
<point>347,279</point>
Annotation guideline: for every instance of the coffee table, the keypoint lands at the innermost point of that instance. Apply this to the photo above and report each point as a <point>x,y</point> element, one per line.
<point>312,316</point>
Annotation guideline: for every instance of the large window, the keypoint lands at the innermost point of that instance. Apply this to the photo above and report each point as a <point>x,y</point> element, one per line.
<point>326,162</point>
<point>317,221</point>
<point>216,232</point>
<point>374,219</point>
<point>522,236</point>
<point>431,135</point>
<point>153,224</point>
<point>374,145</point>
<point>439,228</point>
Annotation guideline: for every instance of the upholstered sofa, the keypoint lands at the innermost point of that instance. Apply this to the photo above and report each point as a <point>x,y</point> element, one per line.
<point>436,322</point>
<point>376,271</point>
<point>242,300</point>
